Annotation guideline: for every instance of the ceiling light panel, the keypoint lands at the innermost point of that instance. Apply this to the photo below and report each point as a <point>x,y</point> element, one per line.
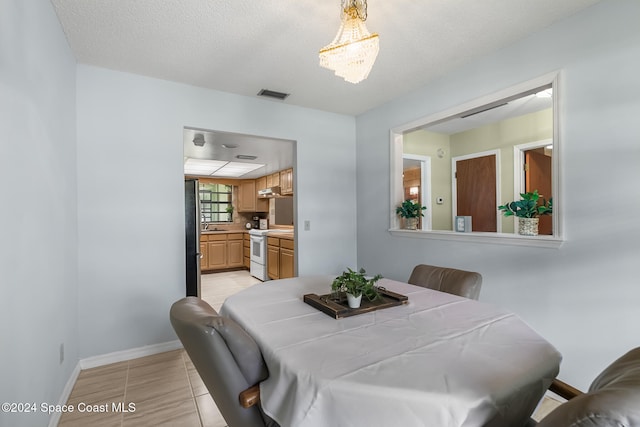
<point>202,166</point>
<point>219,168</point>
<point>237,169</point>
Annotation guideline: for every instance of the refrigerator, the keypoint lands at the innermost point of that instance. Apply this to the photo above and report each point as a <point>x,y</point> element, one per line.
<point>192,237</point>
<point>281,211</point>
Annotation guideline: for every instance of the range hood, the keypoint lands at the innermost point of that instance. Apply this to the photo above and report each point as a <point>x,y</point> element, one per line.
<point>269,192</point>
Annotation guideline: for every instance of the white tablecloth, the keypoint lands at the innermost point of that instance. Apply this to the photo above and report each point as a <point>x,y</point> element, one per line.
<point>438,361</point>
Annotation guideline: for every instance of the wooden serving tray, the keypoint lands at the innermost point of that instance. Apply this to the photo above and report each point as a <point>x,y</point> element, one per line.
<point>338,307</point>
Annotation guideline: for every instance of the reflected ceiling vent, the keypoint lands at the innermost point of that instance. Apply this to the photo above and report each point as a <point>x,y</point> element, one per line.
<point>245,157</point>
<point>273,94</point>
<point>198,140</point>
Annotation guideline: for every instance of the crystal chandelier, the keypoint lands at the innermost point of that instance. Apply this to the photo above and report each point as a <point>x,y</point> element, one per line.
<point>354,50</point>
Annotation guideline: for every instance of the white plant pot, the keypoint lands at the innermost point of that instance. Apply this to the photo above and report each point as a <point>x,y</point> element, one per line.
<point>411,223</point>
<point>528,226</point>
<point>354,302</point>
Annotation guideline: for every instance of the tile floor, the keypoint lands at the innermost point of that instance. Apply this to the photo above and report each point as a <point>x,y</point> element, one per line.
<point>165,387</point>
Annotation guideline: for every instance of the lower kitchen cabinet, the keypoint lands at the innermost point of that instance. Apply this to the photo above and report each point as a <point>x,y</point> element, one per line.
<point>273,258</point>
<point>280,258</point>
<point>234,250</point>
<point>286,263</point>
<point>246,249</point>
<point>217,251</point>
<point>204,257</point>
<point>222,250</point>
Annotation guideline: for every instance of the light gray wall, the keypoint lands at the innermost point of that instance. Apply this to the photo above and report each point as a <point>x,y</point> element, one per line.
<point>583,297</point>
<point>38,235</point>
<point>130,195</point>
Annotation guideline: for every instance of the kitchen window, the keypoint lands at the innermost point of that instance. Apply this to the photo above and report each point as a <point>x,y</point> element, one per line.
<point>215,203</point>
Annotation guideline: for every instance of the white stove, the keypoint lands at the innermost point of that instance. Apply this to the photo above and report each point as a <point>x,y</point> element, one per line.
<point>258,267</point>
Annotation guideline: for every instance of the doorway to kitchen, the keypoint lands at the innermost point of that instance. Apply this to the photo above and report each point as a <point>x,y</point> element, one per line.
<point>238,177</point>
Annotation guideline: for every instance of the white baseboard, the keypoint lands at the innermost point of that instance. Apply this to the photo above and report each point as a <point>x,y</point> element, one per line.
<point>133,353</point>
<point>64,396</point>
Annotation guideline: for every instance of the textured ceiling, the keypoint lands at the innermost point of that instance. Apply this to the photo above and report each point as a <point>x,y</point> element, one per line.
<point>242,46</point>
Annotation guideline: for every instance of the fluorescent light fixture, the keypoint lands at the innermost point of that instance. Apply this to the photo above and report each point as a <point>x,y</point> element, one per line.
<point>218,168</point>
<point>202,166</point>
<point>236,169</point>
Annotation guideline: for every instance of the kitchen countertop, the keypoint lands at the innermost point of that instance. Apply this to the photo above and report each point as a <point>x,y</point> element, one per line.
<point>281,234</point>
<point>222,231</point>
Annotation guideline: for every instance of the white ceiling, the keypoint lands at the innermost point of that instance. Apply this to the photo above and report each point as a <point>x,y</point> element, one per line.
<point>274,154</point>
<point>242,46</point>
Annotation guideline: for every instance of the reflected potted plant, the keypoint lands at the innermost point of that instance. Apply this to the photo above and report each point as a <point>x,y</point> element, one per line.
<point>355,284</point>
<point>411,211</point>
<point>528,210</point>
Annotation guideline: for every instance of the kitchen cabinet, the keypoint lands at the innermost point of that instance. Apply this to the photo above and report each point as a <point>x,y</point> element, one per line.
<point>246,250</point>
<point>221,251</point>
<point>247,196</point>
<point>280,258</point>
<point>287,258</point>
<point>261,183</point>
<point>217,251</point>
<point>234,250</point>
<point>273,180</point>
<point>273,258</point>
<point>204,264</point>
<point>248,200</point>
<point>286,181</point>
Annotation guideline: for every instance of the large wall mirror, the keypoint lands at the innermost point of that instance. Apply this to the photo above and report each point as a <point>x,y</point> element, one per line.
<point>467,161</point>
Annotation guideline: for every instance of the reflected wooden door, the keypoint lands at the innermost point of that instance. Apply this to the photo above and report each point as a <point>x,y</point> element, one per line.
<point>537,176</point>
<point>476,191</point>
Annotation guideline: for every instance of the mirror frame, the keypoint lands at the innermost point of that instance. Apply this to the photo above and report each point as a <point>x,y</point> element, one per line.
<point>396,168</point>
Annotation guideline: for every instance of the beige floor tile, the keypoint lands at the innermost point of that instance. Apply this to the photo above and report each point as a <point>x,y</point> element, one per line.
<point>162,413</point>
<point>216,287</point>
<point>197,386</point>
<point>100,383</point>
<point>90,419</point>
<point>209,413</point>
<point>174,355</point>
<point>169,386</point>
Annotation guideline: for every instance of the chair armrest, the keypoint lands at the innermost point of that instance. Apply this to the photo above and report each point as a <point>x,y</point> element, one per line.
<point>250,396</point>
<point>564,390</point>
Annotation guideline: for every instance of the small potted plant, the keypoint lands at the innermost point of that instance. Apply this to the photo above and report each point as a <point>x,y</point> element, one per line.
<point>411,211</point>
<point>528,210</point>
<point>355,284</point>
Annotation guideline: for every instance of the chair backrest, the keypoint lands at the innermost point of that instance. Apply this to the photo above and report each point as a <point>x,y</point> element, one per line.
<point>458,282</point>
<point>226,357</point>
<point>613,400</point>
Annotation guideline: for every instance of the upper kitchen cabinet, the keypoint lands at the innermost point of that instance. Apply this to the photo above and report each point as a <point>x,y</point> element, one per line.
<point>248,197</point>
<point>286,181</point>
<point>273,180</point>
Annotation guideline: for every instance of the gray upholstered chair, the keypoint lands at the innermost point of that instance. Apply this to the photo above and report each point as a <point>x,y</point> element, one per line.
<point>458,282</point>
<point>613,400</point>
<point>227,359</point>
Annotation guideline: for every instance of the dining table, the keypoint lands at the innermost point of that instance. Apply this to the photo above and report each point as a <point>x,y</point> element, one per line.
<point>438,360</point>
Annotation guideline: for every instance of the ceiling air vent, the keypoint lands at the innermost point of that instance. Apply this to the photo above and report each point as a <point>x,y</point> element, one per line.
<point>273,94</point>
